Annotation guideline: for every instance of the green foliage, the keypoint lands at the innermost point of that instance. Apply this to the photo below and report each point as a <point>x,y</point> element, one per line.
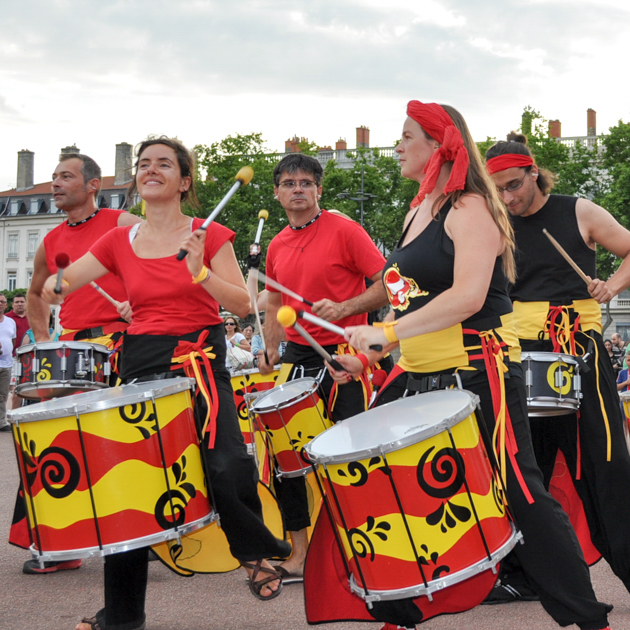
<point>485,145</point>
<point>11,294</point>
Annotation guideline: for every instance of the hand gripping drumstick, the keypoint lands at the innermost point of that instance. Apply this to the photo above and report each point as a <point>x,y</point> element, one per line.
<point>566,256</point>
<point>62,260</point>
<point>322,323</point>
<point>243,177</point>
<point>288,317</point>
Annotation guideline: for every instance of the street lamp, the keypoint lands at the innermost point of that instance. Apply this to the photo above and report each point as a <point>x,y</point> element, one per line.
<point>361,194</point>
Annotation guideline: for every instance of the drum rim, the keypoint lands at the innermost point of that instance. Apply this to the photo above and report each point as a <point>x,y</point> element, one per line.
<point>548,357</point>
<point>395,445</point>
<point>313,382</point>
<point>126,545</point>
<point>119,397</point>
<point>31,386</point>
<point>55,345</point>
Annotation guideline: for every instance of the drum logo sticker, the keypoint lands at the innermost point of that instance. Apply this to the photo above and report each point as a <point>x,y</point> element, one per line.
<point>400,289</point>
<point>559,377</point>
<point>44,370</point>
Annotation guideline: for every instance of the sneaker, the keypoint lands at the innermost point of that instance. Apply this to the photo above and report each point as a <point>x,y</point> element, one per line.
<point>506,594</point>
<point>32,567</point>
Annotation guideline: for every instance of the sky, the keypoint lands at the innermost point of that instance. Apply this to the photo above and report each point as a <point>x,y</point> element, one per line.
<point>100,72</point>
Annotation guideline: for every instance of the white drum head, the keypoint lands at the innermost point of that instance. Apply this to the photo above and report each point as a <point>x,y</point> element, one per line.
<point>285,395</point>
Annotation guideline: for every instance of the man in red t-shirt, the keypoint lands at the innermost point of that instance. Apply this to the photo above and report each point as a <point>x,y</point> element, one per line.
<point>85,315</point>
<point>18,315</point>
<point>325,258</point>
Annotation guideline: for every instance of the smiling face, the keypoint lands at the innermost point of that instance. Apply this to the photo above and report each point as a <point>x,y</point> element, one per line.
<point>158,176</point>
<point>414,150</point>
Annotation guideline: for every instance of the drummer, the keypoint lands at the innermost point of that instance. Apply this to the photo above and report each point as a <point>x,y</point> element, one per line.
<point>85,315</point>
<point>160,344</point>
<point>453,315</point>
<point>324,258</point>
<point>556,311</point>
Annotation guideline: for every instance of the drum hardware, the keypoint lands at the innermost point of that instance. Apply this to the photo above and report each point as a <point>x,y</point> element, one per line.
<point>81,370</point>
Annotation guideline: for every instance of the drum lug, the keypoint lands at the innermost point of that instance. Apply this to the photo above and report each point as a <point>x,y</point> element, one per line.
<point>18,369</point>
<point>35,366</point>
<point>529,378</point>
<point>63,363</point>
<point>81,366</point>
<point>107,368</point>
<point>577,385</point>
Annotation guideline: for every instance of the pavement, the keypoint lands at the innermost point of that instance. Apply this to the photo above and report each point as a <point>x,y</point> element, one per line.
<point>217,602</point>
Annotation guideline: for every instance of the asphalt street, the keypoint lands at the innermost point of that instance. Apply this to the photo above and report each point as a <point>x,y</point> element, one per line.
<point>216,602</point>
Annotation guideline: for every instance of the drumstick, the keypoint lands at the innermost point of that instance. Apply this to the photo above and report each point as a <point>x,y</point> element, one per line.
<point>62,260</point>
<point>263,215</point>
<point>243,177</point>
<point>318,321</point>
<point>288,318</point>
<point>108,297</point>
<point>276,285</point>
<point>566,256</point>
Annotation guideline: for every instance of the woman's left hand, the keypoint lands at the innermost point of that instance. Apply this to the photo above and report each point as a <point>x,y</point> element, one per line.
<point>353,368</point>
<point>362,337</point>
<point>194,245</point>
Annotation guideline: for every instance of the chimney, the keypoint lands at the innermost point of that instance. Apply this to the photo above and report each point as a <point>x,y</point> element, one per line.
<point>341,145</point>
<point>555,129</point>
<point>122,172</point>
<point>71,149</point>
<point>363,137</point>
<point>291,145</point>
<point>591,122</point>
<point>26,162</point>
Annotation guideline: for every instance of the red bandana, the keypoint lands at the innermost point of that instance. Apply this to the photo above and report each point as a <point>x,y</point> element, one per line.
<point>438,124</point>
<point>508,160</point>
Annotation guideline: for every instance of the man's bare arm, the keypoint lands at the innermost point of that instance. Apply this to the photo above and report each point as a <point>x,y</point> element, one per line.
<point>273,333</point>
<point>38,309</point>
<point>369,300</point>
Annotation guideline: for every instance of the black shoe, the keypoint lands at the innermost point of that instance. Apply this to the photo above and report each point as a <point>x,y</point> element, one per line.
<point>506,594</point>
<point>5,427</point>
<point>32,567</point>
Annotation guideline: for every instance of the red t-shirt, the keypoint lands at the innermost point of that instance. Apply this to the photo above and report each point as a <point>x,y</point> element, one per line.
<point>85,308</point>
<point>328,259</point>
<point>163,299</point>
<point>21,326</point>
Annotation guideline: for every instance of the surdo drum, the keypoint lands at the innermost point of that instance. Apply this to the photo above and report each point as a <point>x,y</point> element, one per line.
<point>414,500</point>
<point>292,414</point>
<point>59,368</point>
<point>553,383</point>
<point>112,470</point>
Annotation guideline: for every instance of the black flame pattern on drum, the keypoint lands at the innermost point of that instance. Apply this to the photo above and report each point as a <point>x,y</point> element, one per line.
<point>137,413</point>
<point>360,540</point>
<point>57,468</point>
<point>178,499</point>
<point>358,469</point>
<point>432,558</point>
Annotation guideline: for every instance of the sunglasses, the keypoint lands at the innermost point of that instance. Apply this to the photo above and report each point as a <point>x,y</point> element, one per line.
<point>230,324</point>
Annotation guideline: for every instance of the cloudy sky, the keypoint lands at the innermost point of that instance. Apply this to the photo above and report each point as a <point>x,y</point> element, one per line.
<point>99,72</point>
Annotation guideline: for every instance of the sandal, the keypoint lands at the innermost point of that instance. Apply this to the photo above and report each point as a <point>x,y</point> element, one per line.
<point>256,586</point>
<point>288,577</point>
<point>94,624</point>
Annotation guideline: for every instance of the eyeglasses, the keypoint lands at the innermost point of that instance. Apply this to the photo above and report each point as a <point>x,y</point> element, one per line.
<point>304,184</point>
<point>230,324</point>
<point>512,187</point>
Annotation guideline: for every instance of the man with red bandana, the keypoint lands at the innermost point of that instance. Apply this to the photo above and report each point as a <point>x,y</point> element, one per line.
<point>85,315</point>
<point>556,311</point>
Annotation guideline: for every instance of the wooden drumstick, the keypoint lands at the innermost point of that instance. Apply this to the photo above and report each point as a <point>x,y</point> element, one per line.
<point>566,256</point>
<point>276,285</point>
<point>106,295</point>
<point>62,260</point>
<point>288,318</point>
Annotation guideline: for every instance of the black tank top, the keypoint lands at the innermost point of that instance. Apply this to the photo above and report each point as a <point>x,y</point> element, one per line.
<point>422,269</point>
<point>542,274</point>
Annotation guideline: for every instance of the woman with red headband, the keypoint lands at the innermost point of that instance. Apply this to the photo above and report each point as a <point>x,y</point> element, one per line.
<point>453,316</point>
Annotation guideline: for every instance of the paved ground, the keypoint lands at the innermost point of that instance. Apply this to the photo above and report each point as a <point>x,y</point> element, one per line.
<point>218,602</point>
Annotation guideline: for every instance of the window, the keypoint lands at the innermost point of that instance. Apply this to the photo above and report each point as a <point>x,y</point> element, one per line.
<point>115,203</point>
<point>15,206</point>
<point>33,242</point>
<point>12,249</point>
<point>53,207</point>
<point>29,277</point>
<point>623,328</point>
<point>12,281</point>
<point>34,206</point>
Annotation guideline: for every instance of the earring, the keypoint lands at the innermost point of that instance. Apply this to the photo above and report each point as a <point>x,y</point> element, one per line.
<point>276,197</point>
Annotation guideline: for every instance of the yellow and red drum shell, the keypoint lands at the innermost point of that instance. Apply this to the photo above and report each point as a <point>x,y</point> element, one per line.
<point>105,474</point>
<point>249,382</point>
<point>292,423</point>
<point>430,479</point>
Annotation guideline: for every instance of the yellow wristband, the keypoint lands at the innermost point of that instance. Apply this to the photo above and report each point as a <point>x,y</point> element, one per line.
<point>204,274</point>
<point>390,333</point>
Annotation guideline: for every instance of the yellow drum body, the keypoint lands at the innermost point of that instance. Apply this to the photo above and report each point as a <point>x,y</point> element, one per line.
<point>292,415</point>
<point>112,470</point>
<point>415,502</point>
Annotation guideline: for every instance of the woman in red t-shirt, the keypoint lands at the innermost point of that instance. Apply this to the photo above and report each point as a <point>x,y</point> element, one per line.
<point>175,304</point>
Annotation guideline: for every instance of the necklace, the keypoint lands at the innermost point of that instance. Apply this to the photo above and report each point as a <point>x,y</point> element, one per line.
<point>301,227</point>
<point>86,219</point>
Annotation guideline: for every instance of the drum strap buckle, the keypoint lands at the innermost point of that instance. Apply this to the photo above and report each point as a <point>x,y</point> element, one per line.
<point>430,383</point>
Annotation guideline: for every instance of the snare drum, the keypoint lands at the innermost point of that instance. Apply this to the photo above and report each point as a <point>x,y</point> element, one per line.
<point>292,415</point>
<point>58,368</point>
<point>415,503</point>
<point>113,470</point>
<point>553,383</point>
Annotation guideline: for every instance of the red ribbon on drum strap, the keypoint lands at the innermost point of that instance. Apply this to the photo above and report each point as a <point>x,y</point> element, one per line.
<point>192,356</point>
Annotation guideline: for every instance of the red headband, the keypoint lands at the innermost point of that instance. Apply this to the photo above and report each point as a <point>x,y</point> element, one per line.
<point>438,124</point>
<point>508,160</point>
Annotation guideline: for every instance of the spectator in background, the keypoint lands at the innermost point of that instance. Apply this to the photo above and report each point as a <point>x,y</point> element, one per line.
<point>7,343</point>
<point>618,348</point>
<point>248,332</point>
<point>623,380</point>
<point>613,357</point>
<point>18,315</point>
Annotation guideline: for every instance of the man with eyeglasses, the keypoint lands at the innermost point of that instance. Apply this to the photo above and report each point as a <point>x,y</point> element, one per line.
<point>7,343</point>
<point>556,311</point>
<point>325,258</point>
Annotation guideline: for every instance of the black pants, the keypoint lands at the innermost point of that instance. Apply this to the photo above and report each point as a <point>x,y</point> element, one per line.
<point>550,555</point>
<point>291,492</point>
<point>231,475</point>
<point>604,486</point>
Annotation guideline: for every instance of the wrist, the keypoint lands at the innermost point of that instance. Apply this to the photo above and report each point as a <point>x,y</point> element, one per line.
<point>364,360</point>
<point>203,276</point>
